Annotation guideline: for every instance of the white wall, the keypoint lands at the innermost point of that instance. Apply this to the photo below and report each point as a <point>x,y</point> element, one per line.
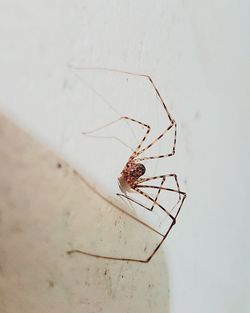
<point>198,54</point>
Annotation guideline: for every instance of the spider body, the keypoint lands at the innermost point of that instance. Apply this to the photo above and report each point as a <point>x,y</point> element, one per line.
<point>130,175</point>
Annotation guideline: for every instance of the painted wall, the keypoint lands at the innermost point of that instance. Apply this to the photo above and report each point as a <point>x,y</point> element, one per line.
<point>198,54</point>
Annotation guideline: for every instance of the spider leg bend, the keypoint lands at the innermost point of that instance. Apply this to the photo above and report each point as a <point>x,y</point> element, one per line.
<point>182,196</point>
<point>160,188</point>
<point>163,236</point>
<point>137,151</point>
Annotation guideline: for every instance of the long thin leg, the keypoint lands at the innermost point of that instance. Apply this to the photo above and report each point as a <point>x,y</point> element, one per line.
<point>133,74</point>
<point>137,150</point>
<point>142,205</point>
<point>158,193</point>
<point>144,137</point>
<point>117,258</point>
<point>154,251</point>
<point>171,225</point>
<point>163,177</point>
<point>98,256</point>
<point>154,201</point>
<point>172,122</point>
<point>119,119</point>
<point>159,188</point>
<point>166,110</point>
<point>166,234</point>
<point>155,140</point>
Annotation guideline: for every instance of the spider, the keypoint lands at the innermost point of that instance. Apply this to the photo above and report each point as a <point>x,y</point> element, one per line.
<point>131,177</point>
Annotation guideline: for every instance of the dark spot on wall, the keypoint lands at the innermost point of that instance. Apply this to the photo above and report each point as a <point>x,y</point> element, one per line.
<point>1,269</point>
<point>59,165</point>
<point>197,115</point>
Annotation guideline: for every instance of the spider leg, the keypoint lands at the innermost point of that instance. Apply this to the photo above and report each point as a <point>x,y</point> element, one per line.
<point>159,190</point>
<point>132,74</point>
<point>164,236</point>
<point>180,202</point>
<point>153,200</point>
<point>88,133</point>
<point>77,251</point>
<point>163,177</point>
<point>98,256</point>
<point>117,258</point>
<point>172,122</point>
<point>157,139</point>
<point>173,218</point>
<point>142,205</point>
<point>144,137</point>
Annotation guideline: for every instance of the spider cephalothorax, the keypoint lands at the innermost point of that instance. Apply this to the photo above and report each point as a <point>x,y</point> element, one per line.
<point>130,175</point>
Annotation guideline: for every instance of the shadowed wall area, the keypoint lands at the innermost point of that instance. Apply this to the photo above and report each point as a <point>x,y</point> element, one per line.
<point>45,210</point>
